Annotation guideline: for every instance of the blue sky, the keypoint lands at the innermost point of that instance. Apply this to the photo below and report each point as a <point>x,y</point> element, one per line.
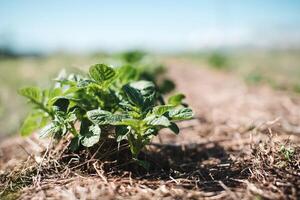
<point>157,24</point>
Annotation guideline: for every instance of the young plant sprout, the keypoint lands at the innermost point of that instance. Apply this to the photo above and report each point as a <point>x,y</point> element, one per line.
<point>107,103</point>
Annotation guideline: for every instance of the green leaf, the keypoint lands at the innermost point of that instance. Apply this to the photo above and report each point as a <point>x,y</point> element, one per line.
<point>71,117</point>
<point>103,117</point>
<point>134,95</point>
<point>173,127</point>
<point>32,93</point>
<point>91,137</point>
<point>148,91</point>
<point>133,123</point>
<point>47,130</point>
<point>32,122</point>
<point>145,87</point>
<point>127,74</point>
<point>122,132</point>
<point>157,121</point>
<point>162,109</point>
<point>141,93</point>
<point>55,93</point>
<point>98,116</point>
<point>181,114</point>
<point>101,73</point>
<point>176,99</point>
<point>84,83</point>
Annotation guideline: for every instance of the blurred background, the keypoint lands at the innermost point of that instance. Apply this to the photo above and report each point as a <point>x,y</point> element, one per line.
<point>258,41</point>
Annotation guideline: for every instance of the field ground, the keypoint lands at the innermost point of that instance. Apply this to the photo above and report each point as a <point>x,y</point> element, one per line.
<point>242,144</point>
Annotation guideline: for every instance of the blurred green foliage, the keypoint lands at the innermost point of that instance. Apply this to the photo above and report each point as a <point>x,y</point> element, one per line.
<point>218,61</point>
<point>133,56</point>
<point>150,70</point>
<point>280,69</point>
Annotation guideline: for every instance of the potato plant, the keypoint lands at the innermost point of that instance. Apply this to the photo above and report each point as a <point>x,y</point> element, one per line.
<point>107,103</point>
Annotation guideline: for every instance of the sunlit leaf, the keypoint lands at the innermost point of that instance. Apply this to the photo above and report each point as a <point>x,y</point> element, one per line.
<point>32,122</point>
<point>101,73</point>
<point>181,114</point>
<point>91,136</point>
<point>47,130</point>
<point>162,109</point>
<point>157,121</point>
<point>103,117</point>
<point>32,93</point>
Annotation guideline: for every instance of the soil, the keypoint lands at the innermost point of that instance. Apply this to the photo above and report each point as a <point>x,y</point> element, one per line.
<point>242,144</point>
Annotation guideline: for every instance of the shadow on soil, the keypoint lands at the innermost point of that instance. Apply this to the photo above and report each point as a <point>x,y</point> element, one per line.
<point>197,165</point>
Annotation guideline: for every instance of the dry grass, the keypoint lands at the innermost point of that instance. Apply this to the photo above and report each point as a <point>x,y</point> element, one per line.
<point>213,170</point>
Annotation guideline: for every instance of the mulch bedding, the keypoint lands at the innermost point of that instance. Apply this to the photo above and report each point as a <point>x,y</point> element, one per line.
<point>235,148</point>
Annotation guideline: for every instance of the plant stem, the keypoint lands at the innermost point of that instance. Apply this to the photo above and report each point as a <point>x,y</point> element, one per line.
<point>73,130</point>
